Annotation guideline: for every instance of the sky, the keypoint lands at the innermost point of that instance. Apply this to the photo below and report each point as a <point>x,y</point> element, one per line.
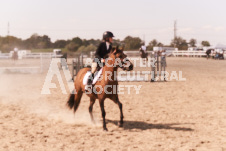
<point>147,19</point>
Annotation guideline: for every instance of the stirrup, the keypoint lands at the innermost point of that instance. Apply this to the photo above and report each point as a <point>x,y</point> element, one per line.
<point>88,86</point>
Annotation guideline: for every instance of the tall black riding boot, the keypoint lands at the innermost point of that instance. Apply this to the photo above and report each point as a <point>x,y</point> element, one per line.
<point>90,82</point>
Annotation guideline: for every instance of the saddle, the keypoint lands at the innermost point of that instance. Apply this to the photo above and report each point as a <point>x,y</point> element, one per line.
<point>95,79</point>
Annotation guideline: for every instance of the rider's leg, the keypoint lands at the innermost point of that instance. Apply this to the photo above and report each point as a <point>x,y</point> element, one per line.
<point>93,69</point>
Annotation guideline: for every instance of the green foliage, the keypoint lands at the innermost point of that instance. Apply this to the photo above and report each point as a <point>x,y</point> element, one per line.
<point>43,43</point>
<point>117,42</point>
<point>193,42</point>
<point>205,43</point>
<point>88,48</point>
<point>42,50</point>
<point>180,43</point>
<point>91,41</point>
<point>60,44</point>
<point>77,41</point>
<point>38,42</point>
<point>8,43</point>
<point>81,49</point>
<point>72,46</point>
<point>132,43</point>
<point>154,43</point>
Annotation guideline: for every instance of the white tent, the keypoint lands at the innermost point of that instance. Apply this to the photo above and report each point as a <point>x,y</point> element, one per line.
<point>220,46</point>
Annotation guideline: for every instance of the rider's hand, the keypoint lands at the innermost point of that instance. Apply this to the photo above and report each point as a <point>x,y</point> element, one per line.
<point>102,60</point>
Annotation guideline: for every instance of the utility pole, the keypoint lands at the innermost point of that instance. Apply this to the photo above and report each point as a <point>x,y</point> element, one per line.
<point>8,30</point>
<point>175,32</point>
<point>144,38</point>
<point>8,33</point>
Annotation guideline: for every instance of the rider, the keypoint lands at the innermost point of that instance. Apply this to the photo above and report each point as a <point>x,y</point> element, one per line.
<point>101,53</point>
<point>143,47</point>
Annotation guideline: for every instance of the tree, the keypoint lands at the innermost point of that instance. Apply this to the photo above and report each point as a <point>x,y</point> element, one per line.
<point>72,46</point>
<point>32,42</point>
<point>132,43</point>
<point>8,43</point>
<point>46,41</point>
<point>117,42</point>
<point>205,43</point>
<point>36,41</point>
<point>88,48</point>
<point>60,44</point>
<point>160,44</point>
<point>180,43</point>
<point>154,43</point>
<point>77,40</point>
<point>192,42</point>
<point>94,42</point>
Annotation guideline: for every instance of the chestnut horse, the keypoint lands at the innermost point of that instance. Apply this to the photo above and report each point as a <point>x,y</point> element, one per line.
<point>107,83</point>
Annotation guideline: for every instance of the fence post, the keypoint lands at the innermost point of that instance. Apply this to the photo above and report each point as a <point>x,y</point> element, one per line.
<point>77,64</point>
<point>73,68</point>
<point>153,67</point>
<point>81,61</point>
<point>41,62</point>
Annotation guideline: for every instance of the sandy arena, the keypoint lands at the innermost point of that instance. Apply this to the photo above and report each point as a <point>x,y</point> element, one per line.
<point>174,115</point>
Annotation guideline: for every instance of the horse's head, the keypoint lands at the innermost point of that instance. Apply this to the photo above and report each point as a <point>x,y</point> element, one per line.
<point>121,59</point>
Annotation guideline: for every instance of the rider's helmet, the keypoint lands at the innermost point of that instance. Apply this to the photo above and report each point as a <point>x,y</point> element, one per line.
<point>107,35</point>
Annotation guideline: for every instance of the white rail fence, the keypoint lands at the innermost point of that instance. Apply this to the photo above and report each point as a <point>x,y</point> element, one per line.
<point>183,53</point>
<point>41,55</point>
<point>30,55</point>
<point>29,63</point>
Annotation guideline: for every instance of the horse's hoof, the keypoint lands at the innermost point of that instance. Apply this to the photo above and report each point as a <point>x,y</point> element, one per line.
<point>105,129</point>
<point>120,124</point>
<point>93,122</point>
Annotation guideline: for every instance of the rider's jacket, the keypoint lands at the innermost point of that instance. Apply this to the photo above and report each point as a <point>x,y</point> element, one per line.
<point>103,49</point>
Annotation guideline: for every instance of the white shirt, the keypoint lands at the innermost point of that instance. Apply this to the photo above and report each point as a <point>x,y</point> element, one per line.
<point>143,48</point>
<point>107,44</point>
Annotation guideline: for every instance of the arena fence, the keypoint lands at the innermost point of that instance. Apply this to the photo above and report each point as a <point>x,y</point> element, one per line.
<point>29,63</point>
<point>152,72</point>
<point>183,53</point>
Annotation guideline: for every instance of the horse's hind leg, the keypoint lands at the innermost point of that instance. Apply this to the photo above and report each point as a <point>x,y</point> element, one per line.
<point>92,101</point>
<point>116,100</point>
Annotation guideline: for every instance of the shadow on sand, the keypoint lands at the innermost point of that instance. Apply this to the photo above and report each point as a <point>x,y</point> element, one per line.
<point>129,125</point>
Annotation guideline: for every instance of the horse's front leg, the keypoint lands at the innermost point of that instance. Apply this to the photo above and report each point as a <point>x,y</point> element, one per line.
<point>121,113</point>
<point>116,100</point>
<point>103,114</point>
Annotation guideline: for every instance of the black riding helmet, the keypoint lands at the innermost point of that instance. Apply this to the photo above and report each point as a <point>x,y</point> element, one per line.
<point>107,34</point>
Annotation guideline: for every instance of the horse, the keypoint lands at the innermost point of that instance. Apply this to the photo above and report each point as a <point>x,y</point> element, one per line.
<point>143,54</point>
<point>208,52</point>
<point>109,70</point>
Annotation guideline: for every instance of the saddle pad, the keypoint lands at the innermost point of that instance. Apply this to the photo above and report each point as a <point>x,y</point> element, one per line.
<point>85,79</point>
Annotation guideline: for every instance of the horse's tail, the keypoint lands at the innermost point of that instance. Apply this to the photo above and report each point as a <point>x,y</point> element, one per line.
<point>71,100</point>
<point>74,100</point>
